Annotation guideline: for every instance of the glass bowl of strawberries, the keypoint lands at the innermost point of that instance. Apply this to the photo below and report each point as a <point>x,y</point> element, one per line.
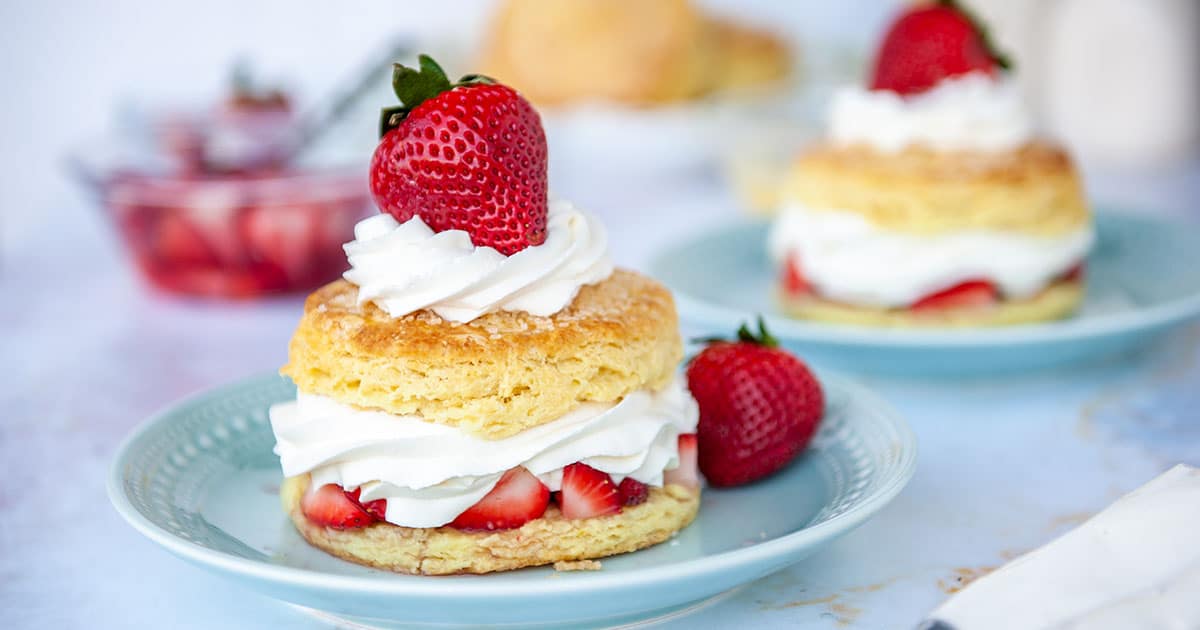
<point>210,205</point>
<point>237,235</point>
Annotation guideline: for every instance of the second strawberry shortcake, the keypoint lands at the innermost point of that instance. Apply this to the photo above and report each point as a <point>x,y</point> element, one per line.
<point>932,201</point>
<point>482,391</point>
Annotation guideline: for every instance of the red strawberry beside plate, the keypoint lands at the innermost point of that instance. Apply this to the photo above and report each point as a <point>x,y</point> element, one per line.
<point>759,407</point>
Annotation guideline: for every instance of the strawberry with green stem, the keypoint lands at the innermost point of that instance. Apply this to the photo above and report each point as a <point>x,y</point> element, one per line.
<point>759,406</point>
<point>465,156</point>
<point>931,42</point>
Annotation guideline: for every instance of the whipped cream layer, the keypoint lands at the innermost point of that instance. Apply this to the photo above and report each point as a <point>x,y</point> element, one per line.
<point>406,267</point>
<point>431,473</point>
<point>972,112</point>
<point>849,259</point>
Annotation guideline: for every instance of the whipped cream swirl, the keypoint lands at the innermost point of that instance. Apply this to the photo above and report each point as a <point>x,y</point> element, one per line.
<point>849,259</point>
<point>406,267</point>
<point>431,473</point>
<point>972,112</point>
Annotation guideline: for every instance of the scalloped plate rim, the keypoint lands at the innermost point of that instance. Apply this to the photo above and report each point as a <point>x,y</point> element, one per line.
<point>761,553</point>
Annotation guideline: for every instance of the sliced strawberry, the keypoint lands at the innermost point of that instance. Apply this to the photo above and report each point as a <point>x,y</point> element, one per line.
<point>519,497</point>
<point>220,231</point>
<point>794,281</point>
<point>969,294</point>
<point>376,508</point>
<point>687,473</point>
<point>633,492</point>
<point>330,507</point>
<point>137,224</point>
<point>283,236</point>
<point>587,492</point>
<point>1074,274</point>
<point>175,241</point>
<point>212,282</point>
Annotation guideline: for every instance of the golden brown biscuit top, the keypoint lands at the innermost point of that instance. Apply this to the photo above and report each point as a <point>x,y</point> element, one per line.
<point>623,301</point>
<point>1034,189</point>
<point>498,374</point>
<point>1031,161</point>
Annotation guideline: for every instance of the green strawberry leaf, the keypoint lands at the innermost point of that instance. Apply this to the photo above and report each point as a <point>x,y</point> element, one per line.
<point>745,335</point>
<point>415,86</point>
<point>412,87</point>
<point>390,117</point>
<point>765,337</point>
<point>476,79</point>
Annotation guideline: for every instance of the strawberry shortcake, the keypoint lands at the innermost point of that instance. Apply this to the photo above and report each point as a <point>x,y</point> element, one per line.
<point>932,200</point>
<point>482,391</point>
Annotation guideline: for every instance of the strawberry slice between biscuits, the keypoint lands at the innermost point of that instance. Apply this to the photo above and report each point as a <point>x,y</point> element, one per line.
<point>587,492</point>
<point>376,508</point>
<point>794,281</point>
<point>633,492</point>
<point>969,294</point>
<point>687,473</point>
<point>1075,274</point>
<point>519,497</point>
<point>330,506</point>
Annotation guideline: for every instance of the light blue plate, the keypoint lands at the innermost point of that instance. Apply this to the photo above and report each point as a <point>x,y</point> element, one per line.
<point>1143,280</point>
<point>200,479</point>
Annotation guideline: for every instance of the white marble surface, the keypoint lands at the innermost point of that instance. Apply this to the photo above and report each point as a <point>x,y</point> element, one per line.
<point>1005,464</point>
<point>87,353</point>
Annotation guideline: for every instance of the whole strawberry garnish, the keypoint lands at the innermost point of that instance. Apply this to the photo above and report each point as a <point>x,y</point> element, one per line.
<point>928,43</point>
<point>759,407</point>
<point>464,156</point>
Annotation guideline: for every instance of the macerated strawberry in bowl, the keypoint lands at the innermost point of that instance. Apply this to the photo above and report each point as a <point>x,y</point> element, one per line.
<point>234,198</point>
<point>236,235</point>
<point>206,205</point>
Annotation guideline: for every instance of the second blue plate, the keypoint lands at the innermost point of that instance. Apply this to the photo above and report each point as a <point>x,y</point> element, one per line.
<point>1143,280</point>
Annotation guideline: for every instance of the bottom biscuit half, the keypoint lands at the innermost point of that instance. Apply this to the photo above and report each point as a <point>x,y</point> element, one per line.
<point>1055,302</point>
<point>546,540</point>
